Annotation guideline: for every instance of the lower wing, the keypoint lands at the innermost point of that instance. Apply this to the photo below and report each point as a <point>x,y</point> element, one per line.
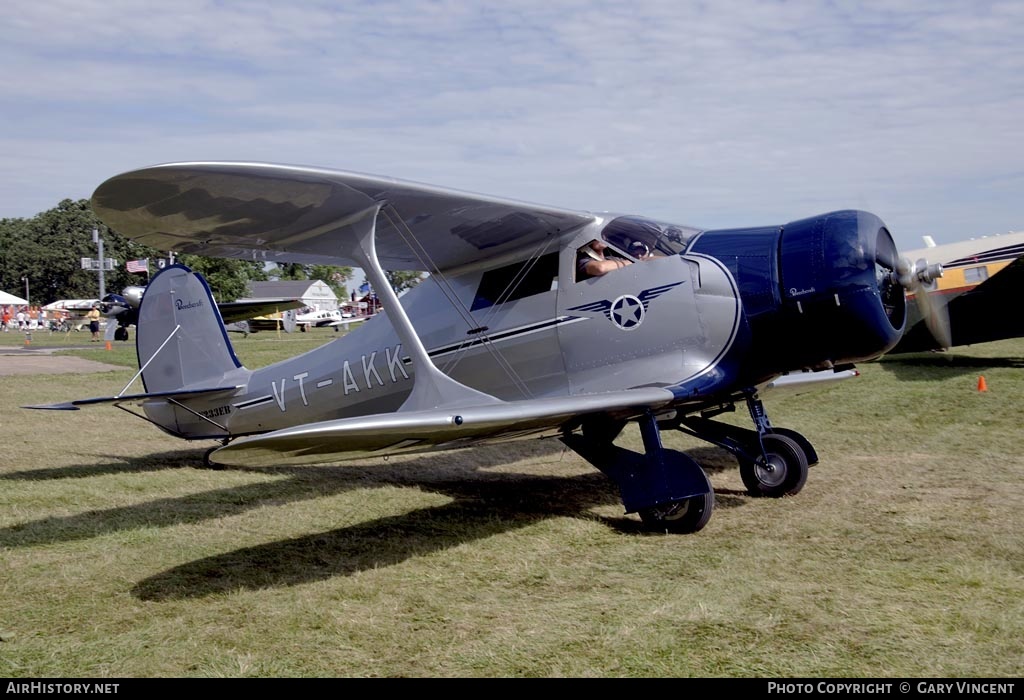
<point>434,429</point>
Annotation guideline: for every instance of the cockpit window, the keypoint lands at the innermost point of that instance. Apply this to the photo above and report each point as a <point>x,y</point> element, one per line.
<point>643,238</point>
<point>517,281</point>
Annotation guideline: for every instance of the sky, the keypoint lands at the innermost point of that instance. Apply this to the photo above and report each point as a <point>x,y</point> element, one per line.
<point>710,114</point>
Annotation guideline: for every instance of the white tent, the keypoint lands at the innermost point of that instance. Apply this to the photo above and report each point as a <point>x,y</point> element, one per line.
<point>7,299</point>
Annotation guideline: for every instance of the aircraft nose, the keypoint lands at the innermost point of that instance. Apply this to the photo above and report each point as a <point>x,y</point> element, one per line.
<point>837,286</point>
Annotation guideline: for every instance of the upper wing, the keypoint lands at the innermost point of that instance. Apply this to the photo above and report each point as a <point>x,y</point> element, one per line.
<point>232,311</point>
<point>261,211</point>
<point>434,429</point>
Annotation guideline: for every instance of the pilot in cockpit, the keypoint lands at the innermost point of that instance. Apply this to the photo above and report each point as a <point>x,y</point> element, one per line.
<point>591,260</point>
<point>596,258</point>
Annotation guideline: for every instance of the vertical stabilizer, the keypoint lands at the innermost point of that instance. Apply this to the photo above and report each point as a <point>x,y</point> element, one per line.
<point>199,351</point>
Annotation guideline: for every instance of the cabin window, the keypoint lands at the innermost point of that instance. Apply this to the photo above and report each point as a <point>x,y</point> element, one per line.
<point>975,275</point>
<point>522,279</point>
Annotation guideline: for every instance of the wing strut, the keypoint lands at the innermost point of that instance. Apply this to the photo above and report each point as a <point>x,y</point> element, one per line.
<point>439,278</point>
<point>432,388</point>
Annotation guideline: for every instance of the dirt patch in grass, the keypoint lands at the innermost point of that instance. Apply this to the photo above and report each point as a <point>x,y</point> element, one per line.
<point>11,364</point>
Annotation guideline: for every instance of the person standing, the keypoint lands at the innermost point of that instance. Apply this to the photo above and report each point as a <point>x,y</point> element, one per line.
<point>94,323</point>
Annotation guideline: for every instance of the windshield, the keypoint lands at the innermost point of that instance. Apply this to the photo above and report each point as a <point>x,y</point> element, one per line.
<point>641,237</point>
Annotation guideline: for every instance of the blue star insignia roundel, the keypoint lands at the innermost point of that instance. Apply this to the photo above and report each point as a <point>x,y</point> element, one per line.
<point>627,312</point>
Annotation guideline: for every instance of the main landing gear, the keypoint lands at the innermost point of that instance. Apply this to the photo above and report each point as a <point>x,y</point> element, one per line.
<point>773,461</point>
<point>666,488</point>
<point>669,490</point>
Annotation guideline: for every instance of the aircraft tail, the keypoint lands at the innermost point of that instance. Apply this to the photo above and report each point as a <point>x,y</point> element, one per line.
<point>180,338</point>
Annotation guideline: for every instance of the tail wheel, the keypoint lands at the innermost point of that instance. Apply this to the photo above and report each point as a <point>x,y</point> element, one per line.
<point>207,464</point>
<point>782,471</point>
<point>680,517</point>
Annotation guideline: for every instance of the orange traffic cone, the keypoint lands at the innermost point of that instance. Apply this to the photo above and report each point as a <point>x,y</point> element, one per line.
<point>108,345</point>
<point>982,386</point>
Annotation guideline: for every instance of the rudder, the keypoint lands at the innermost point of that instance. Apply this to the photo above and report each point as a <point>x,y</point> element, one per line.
<point>199,352</point>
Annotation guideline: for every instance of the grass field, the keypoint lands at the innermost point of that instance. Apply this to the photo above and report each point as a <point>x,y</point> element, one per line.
<point>902,557</point>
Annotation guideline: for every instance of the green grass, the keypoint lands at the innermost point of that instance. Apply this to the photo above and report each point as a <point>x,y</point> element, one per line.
<point>902,557</point>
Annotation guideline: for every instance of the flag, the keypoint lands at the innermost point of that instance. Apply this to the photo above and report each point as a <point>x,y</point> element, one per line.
<point>364,288</point>
<point>138,265</point>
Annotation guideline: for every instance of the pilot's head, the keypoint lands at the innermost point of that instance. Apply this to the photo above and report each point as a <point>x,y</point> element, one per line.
<point>639,249</point>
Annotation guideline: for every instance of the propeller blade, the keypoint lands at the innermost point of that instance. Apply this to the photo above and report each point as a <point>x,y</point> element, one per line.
<point>936,317</point>
<point>917,279</point>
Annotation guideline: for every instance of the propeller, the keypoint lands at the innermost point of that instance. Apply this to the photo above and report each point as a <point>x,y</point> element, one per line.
<point>897,275</point>
<point>916,278</point>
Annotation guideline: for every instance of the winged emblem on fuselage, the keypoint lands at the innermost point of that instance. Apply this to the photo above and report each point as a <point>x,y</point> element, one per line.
<point>627,311</point>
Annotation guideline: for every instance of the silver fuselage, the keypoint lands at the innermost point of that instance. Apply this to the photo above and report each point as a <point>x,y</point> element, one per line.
<point>565,337</point>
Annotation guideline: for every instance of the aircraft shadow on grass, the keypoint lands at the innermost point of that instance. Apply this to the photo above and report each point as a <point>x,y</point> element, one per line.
<point>140,465</point>
<point>483,504</point>
<point>923,366</point>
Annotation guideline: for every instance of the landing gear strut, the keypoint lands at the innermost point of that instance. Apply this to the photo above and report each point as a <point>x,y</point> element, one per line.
<point>666,488</point>
<point>773,461</point>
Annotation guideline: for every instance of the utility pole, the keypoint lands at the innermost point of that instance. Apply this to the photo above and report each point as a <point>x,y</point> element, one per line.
<point>99,241</point>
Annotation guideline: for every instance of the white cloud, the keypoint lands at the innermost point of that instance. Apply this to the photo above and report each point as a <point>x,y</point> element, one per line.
<point>716,114</point>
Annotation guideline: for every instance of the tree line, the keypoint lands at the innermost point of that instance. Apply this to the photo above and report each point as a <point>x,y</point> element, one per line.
<point>48,248</point>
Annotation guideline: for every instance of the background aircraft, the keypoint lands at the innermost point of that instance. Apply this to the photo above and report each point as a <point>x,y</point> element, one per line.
<point>276,320</point>
<point>506,342</point>
<point>330,317</point>
<point>971,302</point>
<point>75,309</point>
<point>319,318</point>
<point>123,310</point>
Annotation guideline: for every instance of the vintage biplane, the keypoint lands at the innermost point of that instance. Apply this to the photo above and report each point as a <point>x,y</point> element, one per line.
<point>967,305</point>
<point>506,340</point>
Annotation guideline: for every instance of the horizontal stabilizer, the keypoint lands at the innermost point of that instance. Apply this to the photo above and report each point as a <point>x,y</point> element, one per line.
<point>420,431</point>
<point>132,398</point>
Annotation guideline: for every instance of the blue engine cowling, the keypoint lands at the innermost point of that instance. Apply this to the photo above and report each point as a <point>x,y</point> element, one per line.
<point>816,293</point>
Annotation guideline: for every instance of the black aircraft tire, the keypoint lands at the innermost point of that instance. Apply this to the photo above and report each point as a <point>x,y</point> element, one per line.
<point>785,472</point>
<point>207,464</point>
<point>680,517</point>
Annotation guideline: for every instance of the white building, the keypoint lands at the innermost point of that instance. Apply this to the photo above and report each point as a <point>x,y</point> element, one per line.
<point>315,294</point>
